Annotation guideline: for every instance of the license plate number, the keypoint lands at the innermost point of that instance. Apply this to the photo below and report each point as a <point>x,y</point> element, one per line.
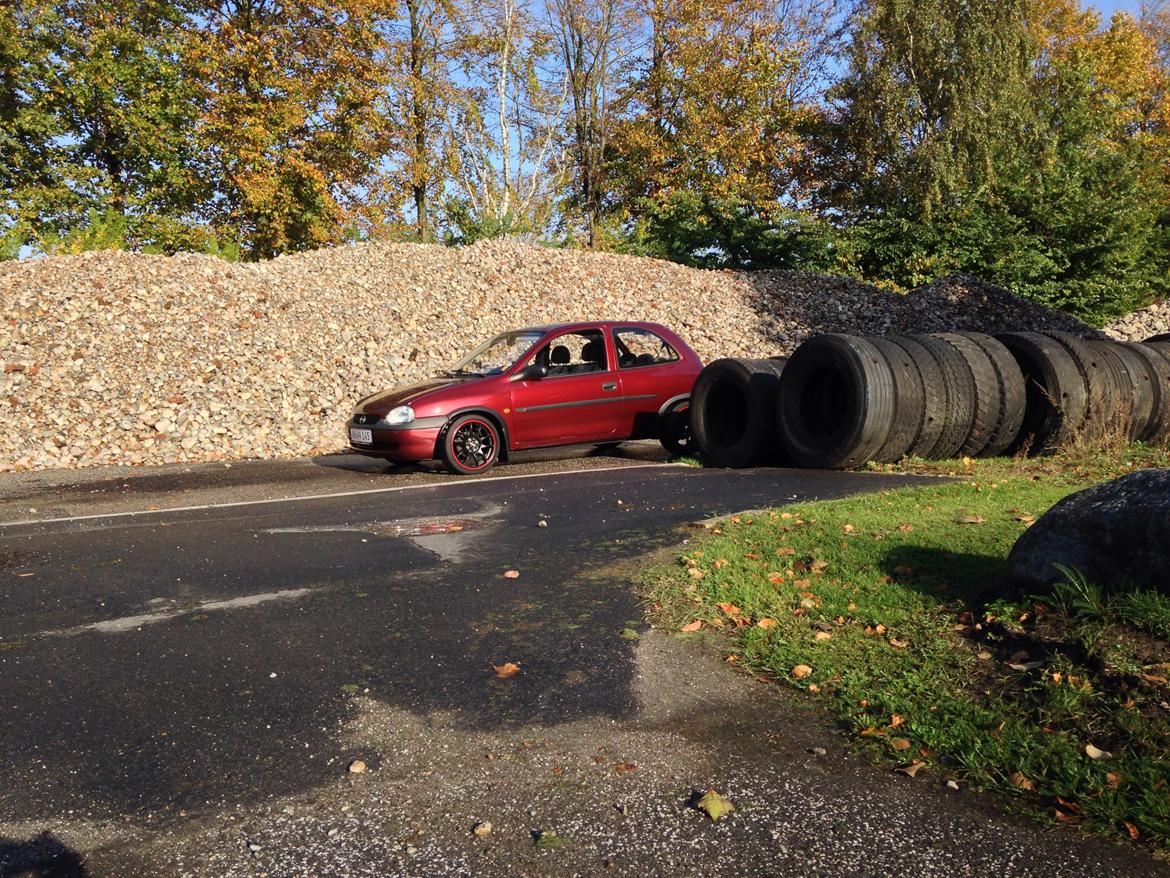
<point>363,437</point>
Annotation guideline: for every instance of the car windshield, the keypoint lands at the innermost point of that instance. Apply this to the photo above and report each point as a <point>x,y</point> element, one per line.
<point>497,355</point>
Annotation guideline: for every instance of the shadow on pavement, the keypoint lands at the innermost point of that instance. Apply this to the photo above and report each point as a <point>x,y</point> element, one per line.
<point>40,857</point>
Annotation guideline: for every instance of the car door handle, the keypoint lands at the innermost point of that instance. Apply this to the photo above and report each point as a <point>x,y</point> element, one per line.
<point>609,385</point>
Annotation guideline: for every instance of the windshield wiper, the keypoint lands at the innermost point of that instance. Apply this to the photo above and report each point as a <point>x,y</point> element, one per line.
<point>455,373</point>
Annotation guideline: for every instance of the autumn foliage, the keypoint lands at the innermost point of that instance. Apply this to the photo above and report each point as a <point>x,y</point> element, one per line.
<point>1027,141</point>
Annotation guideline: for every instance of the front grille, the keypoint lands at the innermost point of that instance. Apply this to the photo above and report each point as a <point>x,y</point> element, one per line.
<point>365,419</point>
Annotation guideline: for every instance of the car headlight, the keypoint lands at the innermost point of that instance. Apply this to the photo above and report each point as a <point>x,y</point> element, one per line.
<point>404,414</point>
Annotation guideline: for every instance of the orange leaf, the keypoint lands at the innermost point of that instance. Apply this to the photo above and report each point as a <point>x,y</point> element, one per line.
<point>801,671</point>
<point>767,623</point>
<point>776,579</point>
<point>506,670</point>
<point>1133,830</point>
<point>729,609</point>
<point>512,574</point>
<point>716,622</point>
<point>896,720</point>
<point>900,743</point>
<point>1021,782</point>
<point>692,626</point>
<point>785,550</point>
<point>822,635</point>
<point>720,563</point>
<point>900,644</point>
<point>625,767</point>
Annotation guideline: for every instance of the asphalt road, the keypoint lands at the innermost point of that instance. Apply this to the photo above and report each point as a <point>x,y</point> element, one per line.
<point>189,664</point>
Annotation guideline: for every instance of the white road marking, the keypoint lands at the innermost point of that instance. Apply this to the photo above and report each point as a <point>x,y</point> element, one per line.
<point>332,496</point>
<point>130,623</point>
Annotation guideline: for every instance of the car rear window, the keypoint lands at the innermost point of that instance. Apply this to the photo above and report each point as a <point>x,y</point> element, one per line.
<point>641,347</point>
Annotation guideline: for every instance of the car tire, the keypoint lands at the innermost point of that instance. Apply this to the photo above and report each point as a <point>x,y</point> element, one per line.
<point>1057,394</point>
<point>731,411</point>
<point>909,401</point>
<point>837,402</point>
<point>675,431</point>
<point>470,445</point>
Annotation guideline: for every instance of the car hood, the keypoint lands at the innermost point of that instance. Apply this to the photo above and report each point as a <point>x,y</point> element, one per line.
<point>384,400</point>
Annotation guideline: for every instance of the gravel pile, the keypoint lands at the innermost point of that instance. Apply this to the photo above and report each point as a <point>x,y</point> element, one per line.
<point>960,303</point>
<point>1140,325</point>
<point>113,357</point>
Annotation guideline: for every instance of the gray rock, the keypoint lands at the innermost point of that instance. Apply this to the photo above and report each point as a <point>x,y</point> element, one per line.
<point>1116,534</point>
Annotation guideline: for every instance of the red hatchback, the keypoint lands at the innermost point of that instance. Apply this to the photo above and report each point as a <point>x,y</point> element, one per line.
<point>572,384</point>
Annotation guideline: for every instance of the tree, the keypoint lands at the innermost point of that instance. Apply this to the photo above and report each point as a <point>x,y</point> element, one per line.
<point>290,129</point>
<point>934,90</point>
<point>590,35</point>
<point>506,158</point>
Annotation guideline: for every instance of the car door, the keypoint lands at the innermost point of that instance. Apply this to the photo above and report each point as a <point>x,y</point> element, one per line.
<point>579,401</point>
<point>650,370</point>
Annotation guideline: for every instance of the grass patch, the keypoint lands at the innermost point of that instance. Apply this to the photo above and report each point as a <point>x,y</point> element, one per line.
<point>892,610</point>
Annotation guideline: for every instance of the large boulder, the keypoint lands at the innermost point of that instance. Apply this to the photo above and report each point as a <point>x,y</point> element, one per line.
<point>1116,534</point>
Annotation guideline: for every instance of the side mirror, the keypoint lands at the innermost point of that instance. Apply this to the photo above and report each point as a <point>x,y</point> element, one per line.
<point>534,372</point>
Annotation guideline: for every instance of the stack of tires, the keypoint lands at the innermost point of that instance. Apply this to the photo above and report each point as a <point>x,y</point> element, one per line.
<point>843,400</point>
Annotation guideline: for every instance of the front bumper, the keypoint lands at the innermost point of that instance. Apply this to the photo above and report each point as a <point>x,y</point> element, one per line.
<point>402,443</point>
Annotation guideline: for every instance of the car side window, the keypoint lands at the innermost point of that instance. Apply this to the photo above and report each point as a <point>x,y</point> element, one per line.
<point>641,347</point>
<point>574,353</point>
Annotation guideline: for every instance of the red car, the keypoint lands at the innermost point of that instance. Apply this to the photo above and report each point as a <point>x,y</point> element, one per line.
<point>571,384</point>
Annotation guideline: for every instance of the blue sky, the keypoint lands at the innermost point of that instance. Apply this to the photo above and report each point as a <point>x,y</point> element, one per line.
<point>1109,6</point>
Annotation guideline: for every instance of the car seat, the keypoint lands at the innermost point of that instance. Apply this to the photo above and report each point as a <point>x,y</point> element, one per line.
<point>559,360</point>
<point>593,353</point>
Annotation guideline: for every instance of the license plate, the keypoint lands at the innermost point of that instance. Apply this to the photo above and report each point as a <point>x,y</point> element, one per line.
<point>362,437</point>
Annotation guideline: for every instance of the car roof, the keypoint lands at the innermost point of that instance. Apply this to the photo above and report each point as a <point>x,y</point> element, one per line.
<point>592,324</point>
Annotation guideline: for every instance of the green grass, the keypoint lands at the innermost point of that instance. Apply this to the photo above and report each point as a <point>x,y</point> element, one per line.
<point>896,606</point>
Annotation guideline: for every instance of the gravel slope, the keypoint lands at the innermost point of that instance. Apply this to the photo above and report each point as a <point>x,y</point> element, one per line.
<point>112,357</point>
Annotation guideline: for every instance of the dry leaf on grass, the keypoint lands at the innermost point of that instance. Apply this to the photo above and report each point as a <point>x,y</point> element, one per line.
<point>697,573</point>
<point>1097,753</point>
<point>970,519</point>
<point>785,550</point>
<point>1021,781</point>
<point>1132,830</point>
<point>900,644</point>
<point>767,623</point>
<point>822,635</point>
<point>847,528</point>
<point>720,563</point>
<point>906,528</point>
<point>692,626</point>
<point>729,609</point>
<point>900,743</point>
<point>801,671</point>
<point>507,669</point>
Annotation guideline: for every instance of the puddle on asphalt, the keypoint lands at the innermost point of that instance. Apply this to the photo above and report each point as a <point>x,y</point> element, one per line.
<point>446,537</point>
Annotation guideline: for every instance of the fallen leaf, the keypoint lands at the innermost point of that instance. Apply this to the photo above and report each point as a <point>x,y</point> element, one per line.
<point>1021,781</point>
<point>906,528</point>
<point>506,670</point>
<point>692,626</point>
<point>729,609</point>
<point>776,579</point>
<point>801,671</point>
<point>912,769</point>
<point>512,574</point>
<point>847,528</point>
<point>880,628</point>
<point>624,767</point>
<point>1132,830</point>
<point>808,603</point>
<point>697,573</point>
<point>813,687</point>
<point>900,644</point>
<point>822,635</point>
<point>732,659</point>
<point>716,622</point>
<point>896,720</point>
<point>767,623</point>
<point>802,584</point>
<point>1026,517</point>
<point>970,519</point>
<point>1064,817</point>
<point>818,566</point>
<point>357,767</point>
<point>785,550</point>
<point>720,563</point>
<point>482,829</point>
<point>1097,753</point>
<point>1113,779</point>
<point>715,805</point>
<point>900,743</point>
